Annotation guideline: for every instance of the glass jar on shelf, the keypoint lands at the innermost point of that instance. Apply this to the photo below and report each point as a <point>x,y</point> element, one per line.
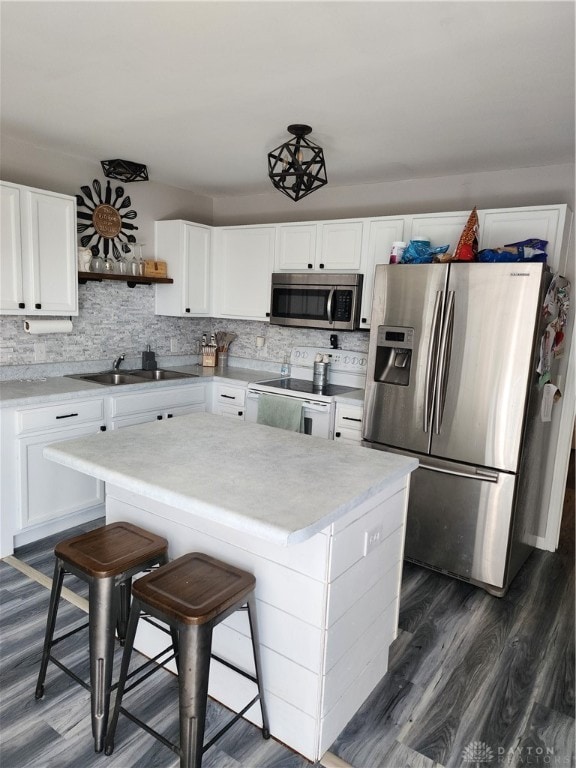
<point>96,263</point>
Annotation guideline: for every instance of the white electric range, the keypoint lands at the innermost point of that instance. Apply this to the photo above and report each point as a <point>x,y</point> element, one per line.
<point>347,373</point>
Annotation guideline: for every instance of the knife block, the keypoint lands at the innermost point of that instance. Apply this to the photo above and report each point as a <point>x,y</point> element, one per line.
<point>209,355</point>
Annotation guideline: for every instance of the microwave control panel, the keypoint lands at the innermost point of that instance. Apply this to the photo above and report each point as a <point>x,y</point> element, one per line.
<point>343,306</point>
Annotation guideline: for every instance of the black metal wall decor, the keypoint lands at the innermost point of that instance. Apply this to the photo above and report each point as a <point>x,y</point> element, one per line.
<point>105,220</point>
<point>297,167</point>
<point>124,170</point>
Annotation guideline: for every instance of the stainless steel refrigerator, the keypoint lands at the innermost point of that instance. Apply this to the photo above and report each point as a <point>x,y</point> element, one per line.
<point>452,380</point>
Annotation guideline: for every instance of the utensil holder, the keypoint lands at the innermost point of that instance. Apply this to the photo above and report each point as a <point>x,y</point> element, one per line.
<point>222,360</point>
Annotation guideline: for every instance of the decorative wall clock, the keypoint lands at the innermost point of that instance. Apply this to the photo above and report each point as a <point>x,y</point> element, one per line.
<point>106,219</point>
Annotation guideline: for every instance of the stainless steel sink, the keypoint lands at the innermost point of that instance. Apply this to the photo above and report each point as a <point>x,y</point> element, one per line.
<point>161,375</point>
<point>107,378</point>
<point>130,377</point>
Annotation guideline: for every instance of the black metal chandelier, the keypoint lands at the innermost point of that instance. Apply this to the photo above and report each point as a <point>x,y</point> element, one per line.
<point>124,170</point>
<point>297,167</point>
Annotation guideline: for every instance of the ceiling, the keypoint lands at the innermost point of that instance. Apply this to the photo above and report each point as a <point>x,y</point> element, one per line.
<point>201,91</point>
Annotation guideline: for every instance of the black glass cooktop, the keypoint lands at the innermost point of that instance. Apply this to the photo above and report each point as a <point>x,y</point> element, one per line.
<point>307,387</point>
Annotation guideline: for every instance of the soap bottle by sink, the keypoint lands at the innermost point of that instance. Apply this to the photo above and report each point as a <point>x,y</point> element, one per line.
<point>149,360</point>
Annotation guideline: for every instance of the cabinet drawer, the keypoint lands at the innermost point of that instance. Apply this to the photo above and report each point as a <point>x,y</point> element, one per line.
<point>125,405</point>
<point>348,417</point>
<point>66,414</point>
<point>226,395</point>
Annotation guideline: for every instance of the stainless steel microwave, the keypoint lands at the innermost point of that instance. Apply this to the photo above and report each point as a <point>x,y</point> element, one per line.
<point>311,300</point>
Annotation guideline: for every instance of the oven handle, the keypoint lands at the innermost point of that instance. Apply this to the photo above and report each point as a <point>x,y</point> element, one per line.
<point>253,394</point>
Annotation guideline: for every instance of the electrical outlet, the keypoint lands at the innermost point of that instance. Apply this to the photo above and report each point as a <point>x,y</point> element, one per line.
<point>39,351</point>
<point>371,539</point>
<point>173,344</point>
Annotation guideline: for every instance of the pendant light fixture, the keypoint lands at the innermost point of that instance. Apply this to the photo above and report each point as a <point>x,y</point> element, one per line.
<point>297,167</point>
<point>124,170</point>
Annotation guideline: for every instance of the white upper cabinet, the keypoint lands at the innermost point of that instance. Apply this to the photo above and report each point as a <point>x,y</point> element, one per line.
<point>296,247</point>
<point>38,256</point>
<point>380,234</point>
<point>500,227</point>
<point>332,246</point>
<point>243,262</point>
<point>11,289</point>
<point>185,247</point>
<point>439,228</point>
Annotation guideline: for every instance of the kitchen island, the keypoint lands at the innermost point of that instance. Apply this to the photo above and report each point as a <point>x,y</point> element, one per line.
<point>321,526</point>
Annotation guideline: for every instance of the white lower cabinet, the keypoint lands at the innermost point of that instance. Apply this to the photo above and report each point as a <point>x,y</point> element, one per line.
<point>229,400</point>
<point>348,423</point>
<point>130,409</point>
<point>48,497</point>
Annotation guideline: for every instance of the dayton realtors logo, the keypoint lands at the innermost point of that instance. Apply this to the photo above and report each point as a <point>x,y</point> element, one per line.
<point>477,753</point>
<point>480,755</point>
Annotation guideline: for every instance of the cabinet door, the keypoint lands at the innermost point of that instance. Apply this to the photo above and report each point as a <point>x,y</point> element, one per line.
<point>49,490</point>
<point>381,234</point>
<point>185,247</point>
<point>439,228</point>
<point>197,269</point>
<point>49,249</point>
<point>340,247</point>
<point>502,227</point>
<point>243,267</point>
<point>296,247</point>
<point>11,293</point>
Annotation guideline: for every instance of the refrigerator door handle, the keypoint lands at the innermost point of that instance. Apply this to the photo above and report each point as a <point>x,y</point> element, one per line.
<point>431,363</point>
<point>445,345</point>
<point>480,474</point>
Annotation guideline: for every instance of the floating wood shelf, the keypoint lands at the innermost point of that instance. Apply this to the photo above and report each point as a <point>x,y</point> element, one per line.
<point>131,280</point>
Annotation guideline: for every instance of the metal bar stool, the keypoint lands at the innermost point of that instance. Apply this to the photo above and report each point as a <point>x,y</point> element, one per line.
<point>192,594</point>
<point>106,558</point>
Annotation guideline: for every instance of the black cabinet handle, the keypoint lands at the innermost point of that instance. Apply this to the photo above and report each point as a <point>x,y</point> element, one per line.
<point>310,266</point>
<point>240,413</point>
<point>267,314</point>
<point>337,434</point>
<point>38,306</point>
<point>229,397</point>
<point>169,416</point>
<point>21,305</point>
<point>321,266</point>
<point>159,418</point>
<point>102,428</point>
<point>67,416</point>
<point>364,320</point>
<point>350,418</point>
<point>187,309</point>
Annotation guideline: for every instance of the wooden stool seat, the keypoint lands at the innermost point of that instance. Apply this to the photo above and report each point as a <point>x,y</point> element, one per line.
<point>110,550</point>
<point>195,588</point>
<point>192,595</point>
<point>106,558</point>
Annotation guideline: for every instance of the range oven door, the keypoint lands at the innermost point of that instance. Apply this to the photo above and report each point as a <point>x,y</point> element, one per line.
<point>318,417</point>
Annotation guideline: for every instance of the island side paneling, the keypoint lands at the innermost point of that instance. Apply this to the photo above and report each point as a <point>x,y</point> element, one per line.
<point>327,611</point>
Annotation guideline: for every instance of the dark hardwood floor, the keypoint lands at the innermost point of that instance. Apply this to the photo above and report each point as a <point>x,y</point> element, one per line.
<point>473,680</point>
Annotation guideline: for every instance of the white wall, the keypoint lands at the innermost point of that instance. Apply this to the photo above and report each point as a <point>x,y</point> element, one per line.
<point>23,163</point>
<point>495,189</point>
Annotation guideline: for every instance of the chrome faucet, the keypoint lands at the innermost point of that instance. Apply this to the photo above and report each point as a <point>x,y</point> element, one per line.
<point>118,362</point>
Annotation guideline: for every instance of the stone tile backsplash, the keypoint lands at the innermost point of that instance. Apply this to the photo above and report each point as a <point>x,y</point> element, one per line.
<point>114,319</point>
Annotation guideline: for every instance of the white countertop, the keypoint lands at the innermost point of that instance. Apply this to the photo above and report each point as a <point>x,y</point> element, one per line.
<point>277,485</point>
<point>23,392</point>
<point>15,393</point>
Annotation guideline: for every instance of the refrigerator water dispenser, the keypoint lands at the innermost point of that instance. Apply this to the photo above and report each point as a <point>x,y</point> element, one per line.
<point>394,355</point>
